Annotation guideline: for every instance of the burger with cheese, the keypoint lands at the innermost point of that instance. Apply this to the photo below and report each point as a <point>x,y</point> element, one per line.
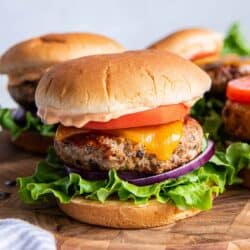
<point>126,153</point>
<point>25,63</point>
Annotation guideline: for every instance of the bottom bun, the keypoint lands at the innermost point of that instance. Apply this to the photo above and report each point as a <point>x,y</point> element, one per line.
<point>119,214</point>
<point>245,175</point>
<point>33,142</point>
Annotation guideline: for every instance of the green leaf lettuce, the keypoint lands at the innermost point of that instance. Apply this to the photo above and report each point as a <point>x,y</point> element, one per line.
<point>194,190</point>
<point>32,123</point>
<point>207,111</point>
<point>235,42</point>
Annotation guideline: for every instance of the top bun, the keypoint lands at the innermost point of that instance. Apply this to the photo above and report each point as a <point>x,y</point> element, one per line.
<point>102,87</point>
<point>191,43</point>
<point>44,51</point>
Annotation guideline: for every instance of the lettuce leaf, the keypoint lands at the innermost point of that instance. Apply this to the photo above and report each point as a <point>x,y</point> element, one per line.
<point>32,123</point>
<point>235,42</point>
<point>194,190</point>
<point>208,112</point>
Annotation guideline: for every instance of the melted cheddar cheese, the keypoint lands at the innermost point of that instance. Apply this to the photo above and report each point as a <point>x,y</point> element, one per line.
<point>206,60</point>
<point>225,60</point>
<point>160,140</point>
<point>65,132</point>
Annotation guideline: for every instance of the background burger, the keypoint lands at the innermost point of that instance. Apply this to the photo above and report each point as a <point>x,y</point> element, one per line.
<point>24,64</point>
<point>192,43</point>
<point>220,58</point>
<point>126,153</point>
<point>236,117</point>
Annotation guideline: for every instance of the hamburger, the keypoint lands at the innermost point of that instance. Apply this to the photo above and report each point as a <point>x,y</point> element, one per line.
<point>24,64</point>
<point>126,152</point>
<point>220,58</point>
<point>236,112</point>
<point>236,117</point>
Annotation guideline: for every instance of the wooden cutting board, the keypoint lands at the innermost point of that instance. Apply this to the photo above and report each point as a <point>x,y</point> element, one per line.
<point>226,226</point>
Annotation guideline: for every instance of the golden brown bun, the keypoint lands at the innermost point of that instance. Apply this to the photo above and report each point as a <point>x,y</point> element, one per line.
<point>191,43</point>
<point>116,214</point>
<point>42,52</point>
<point>33,142</point>
<point>118,84</point>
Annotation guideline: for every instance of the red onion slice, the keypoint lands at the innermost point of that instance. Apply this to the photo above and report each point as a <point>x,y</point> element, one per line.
<point>141,179</point>
<point>198,162</point>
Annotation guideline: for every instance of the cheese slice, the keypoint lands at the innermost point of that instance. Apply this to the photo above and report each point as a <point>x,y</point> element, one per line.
<point>65,132</point>
<point>160,140</point>
<point>225,60</point>
<point>206,60</point>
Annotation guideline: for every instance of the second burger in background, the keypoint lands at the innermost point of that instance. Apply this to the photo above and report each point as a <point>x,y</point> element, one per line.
<point>217,55</point>
<point>25,63</point>
<point>236,118</point>
<point>220,58</point>
<point>236,113</point>
<point>127,154</point>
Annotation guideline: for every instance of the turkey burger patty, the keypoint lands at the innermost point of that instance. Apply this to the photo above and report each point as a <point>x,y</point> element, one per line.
<point>24,93</point>
<point>236,117</point>
<point>221,73</point>
<point>98,151</point>
<point>236,113</point>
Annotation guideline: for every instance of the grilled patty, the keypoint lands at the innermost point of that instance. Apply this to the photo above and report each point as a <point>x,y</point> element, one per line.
<point>24,94</point>
<point>221,74</point>
<point>104,152</point>
<point>236,117</point>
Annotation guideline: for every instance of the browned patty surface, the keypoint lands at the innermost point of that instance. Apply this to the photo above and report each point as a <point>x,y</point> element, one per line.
<point>221,74</point>
<point>104,152</point>
<point>236,117</point>
<point>24,94</point>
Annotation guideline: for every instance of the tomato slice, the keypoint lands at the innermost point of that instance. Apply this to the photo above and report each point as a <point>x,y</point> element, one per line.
<point>156,116</point>
<point>239,90</point>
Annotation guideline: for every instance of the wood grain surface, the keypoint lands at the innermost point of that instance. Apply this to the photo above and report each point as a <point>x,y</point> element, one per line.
<point>226,226</point>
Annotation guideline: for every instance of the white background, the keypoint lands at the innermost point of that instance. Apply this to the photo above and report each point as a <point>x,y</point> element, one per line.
<point>134,23</point>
